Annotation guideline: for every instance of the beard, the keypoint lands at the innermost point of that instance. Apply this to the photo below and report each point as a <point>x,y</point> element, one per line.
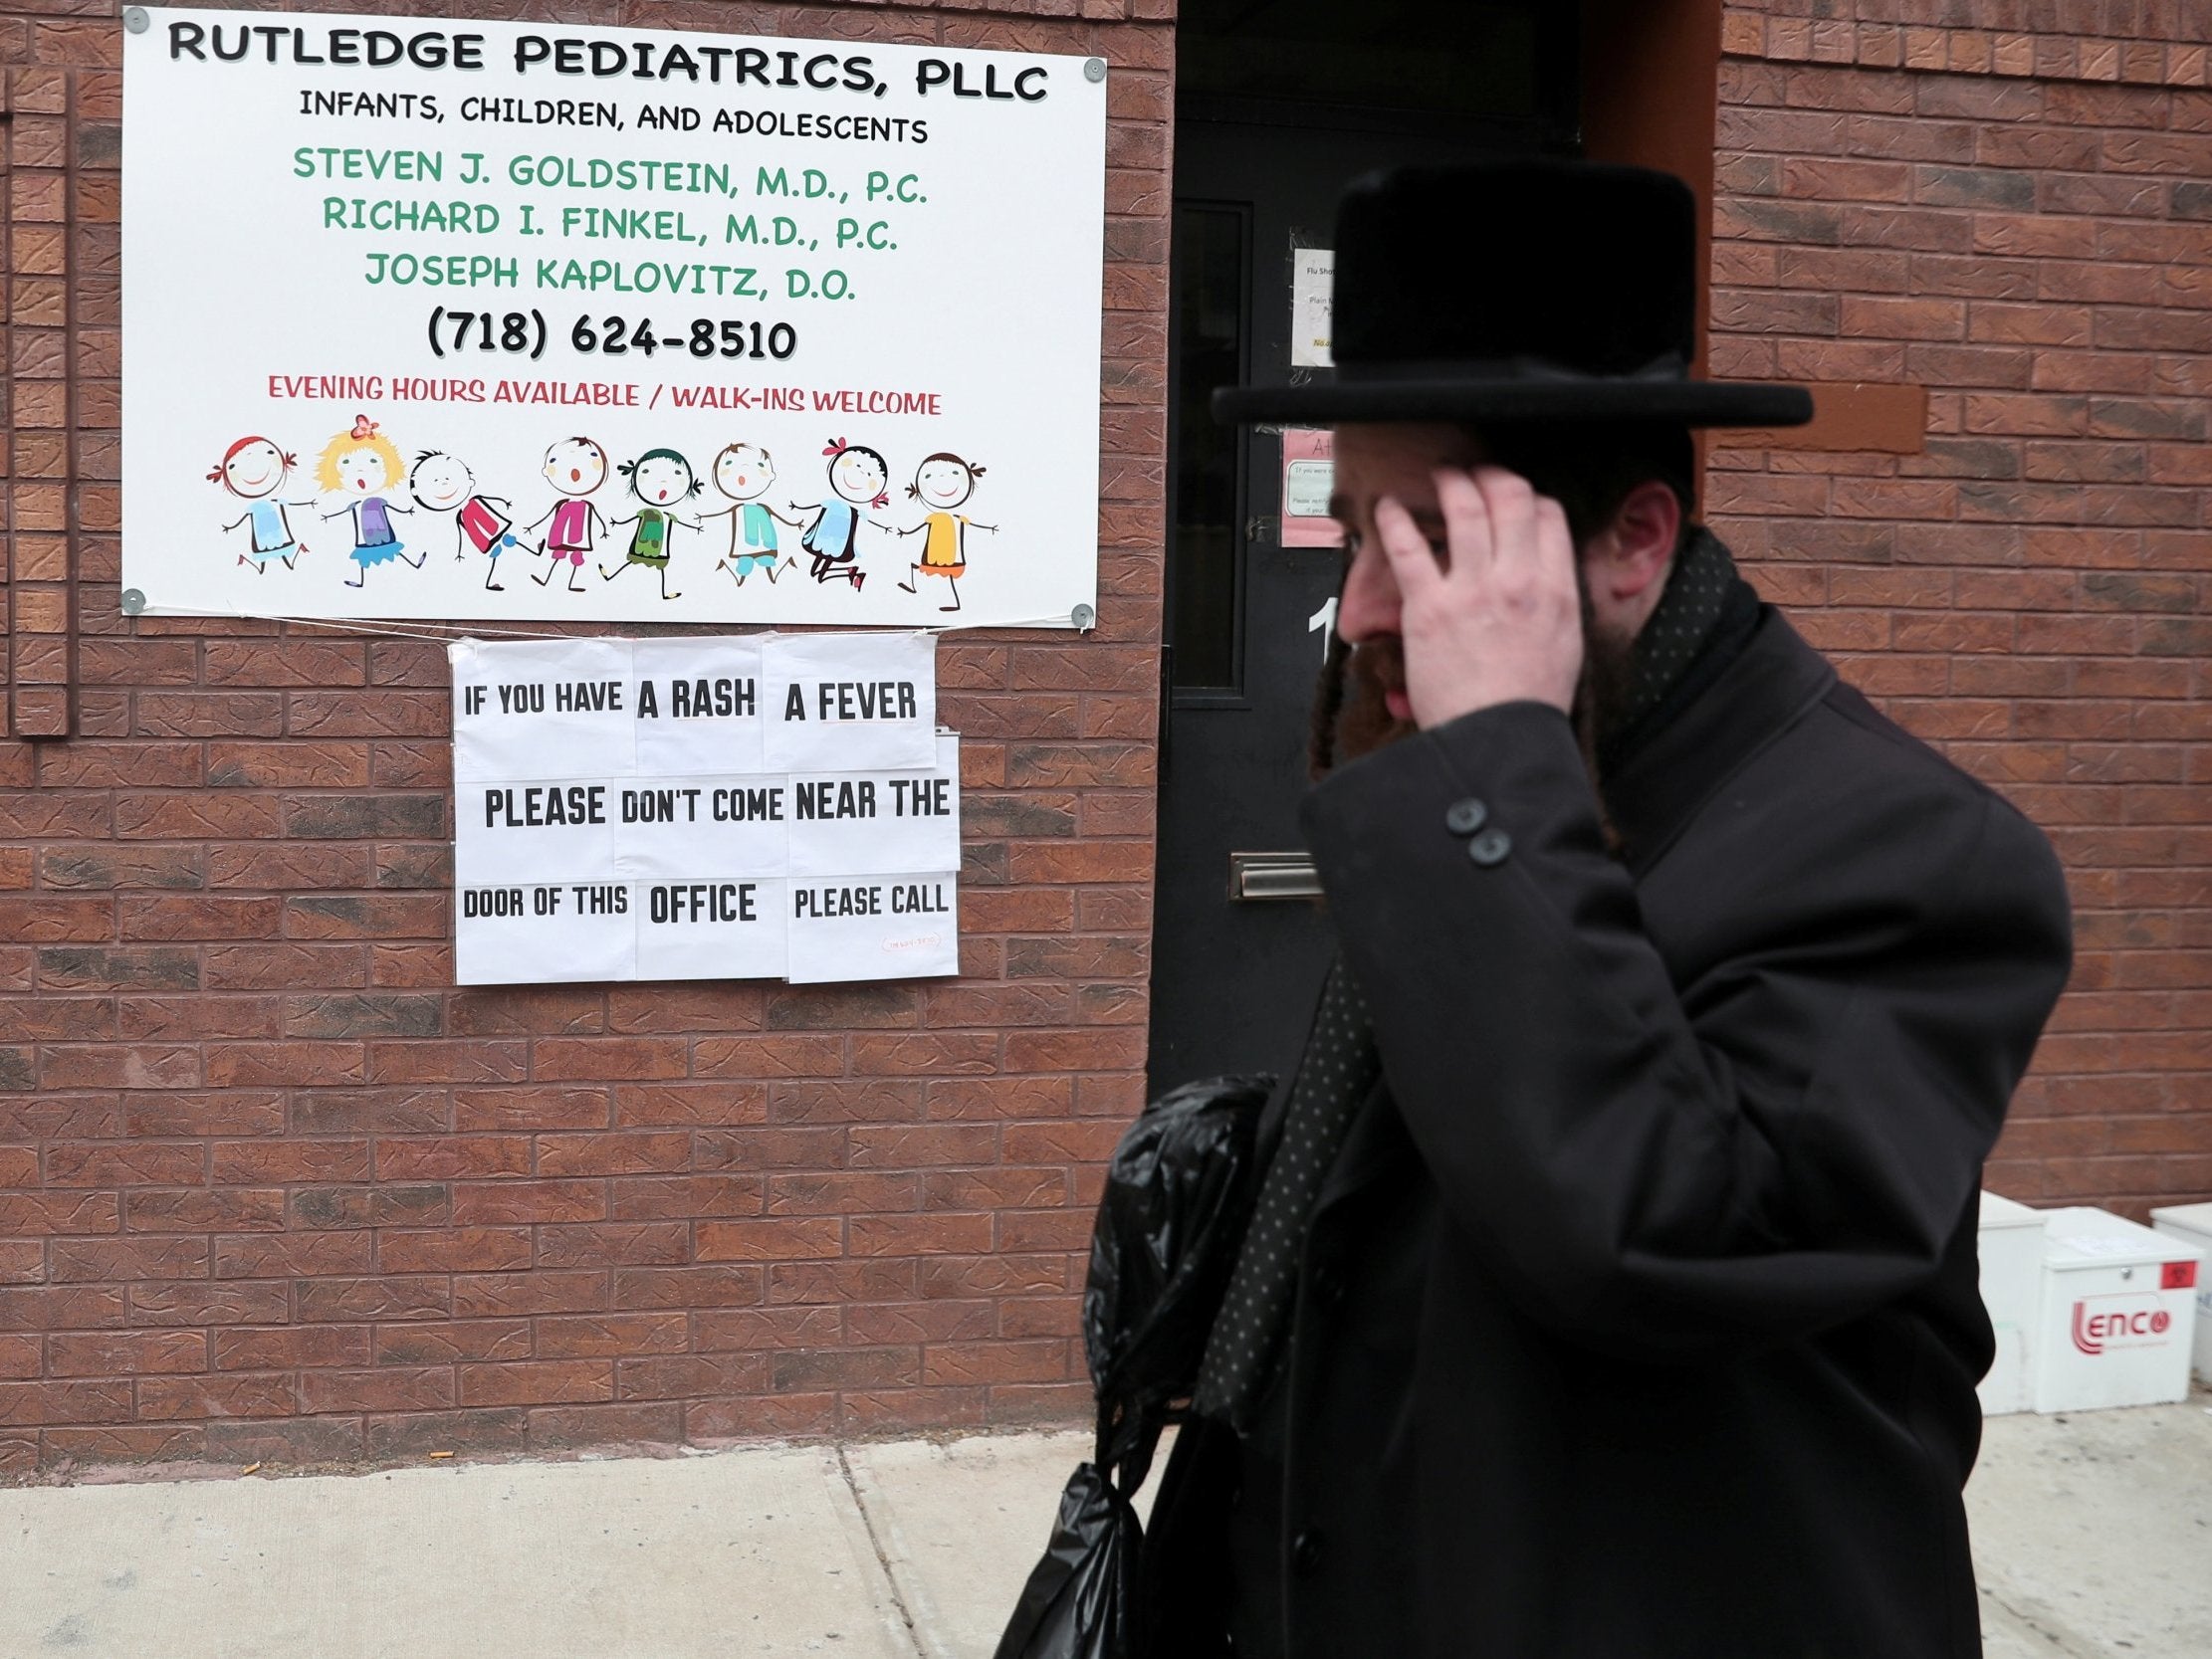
<point>1352,715</point>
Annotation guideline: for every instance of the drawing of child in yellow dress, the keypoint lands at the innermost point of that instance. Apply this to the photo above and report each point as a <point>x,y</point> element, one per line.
<point>942,483</point>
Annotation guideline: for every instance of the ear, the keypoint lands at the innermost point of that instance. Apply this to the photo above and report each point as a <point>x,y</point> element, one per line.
<point>1628,559</point>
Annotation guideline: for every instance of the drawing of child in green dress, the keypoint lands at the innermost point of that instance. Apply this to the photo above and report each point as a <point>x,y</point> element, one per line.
<point>660,480</point>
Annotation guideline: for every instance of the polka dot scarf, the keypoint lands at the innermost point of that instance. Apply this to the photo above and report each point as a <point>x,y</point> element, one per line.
<point>1705,609</point>
<point>1335,1075</point>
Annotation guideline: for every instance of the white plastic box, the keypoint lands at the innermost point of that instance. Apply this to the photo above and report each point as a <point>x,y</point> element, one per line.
<point>2192,1225</point>
<point>2011,1240</point>
<point>2119,1309</point>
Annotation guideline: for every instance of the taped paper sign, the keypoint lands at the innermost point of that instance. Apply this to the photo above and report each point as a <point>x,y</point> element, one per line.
<point>1308,488</point>
<point>433,317</point>
<point>764,807</point>
<point>1312,307</point>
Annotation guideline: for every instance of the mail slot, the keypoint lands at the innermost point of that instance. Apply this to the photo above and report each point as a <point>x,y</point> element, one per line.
<point>1272,876</point>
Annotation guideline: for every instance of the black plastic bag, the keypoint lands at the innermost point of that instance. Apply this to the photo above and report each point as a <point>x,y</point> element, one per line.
<point>1081,1600</point>
<point>1179,1193</point>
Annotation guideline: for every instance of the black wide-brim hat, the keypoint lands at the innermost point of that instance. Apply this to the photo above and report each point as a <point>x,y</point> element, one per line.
<point>1518,292</point>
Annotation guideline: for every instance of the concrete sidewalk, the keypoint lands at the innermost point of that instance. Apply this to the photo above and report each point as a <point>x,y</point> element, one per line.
<point>2093,1534</point>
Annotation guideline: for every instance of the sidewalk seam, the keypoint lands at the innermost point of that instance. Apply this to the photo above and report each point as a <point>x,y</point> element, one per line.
<point>883,1558</point>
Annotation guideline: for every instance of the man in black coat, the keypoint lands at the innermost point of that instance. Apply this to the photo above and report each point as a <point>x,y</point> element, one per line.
<point>1611,1292</point>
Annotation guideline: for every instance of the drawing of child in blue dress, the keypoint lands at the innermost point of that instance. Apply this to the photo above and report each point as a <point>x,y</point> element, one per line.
<point>254,469</point>
<point>858,475</point>
<point>355,468</point>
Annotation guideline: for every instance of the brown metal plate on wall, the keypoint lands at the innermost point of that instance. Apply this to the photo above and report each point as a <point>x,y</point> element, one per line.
<point>1889,420</point>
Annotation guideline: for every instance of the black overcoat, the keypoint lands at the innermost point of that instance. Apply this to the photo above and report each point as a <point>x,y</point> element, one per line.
<point>1639,1315</point>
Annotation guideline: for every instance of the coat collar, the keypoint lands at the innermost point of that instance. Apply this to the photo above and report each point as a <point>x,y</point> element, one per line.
<point>1767,690</point>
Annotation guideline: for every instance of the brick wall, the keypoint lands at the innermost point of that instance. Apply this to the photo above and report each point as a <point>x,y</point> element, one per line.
<point>2017,216</point>
<point>270,1190</point>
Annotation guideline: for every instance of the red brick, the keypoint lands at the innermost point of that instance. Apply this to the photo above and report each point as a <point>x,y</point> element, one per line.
<point>763,1327</point>
<point>281,1441</point>
<point>555,1426</point>
<point>383,1388</point>
<point>691,1375</point>
<point>126,1352</point>
<point>456,1250</point>
<point>494,1202</point>
<point>537,1382</point>
<point>784,1239</point>
<point>609,1335</point>
<point>918,1235</point>
<point>615,1244</point>
<point>292,1348</point>
<point>483,1294</point>
<point>448,1158</point>
<point>588,1058</point>
<point>200,1209</point>
<point>413,1434</point>
<point>431,1344</point>
<point>613,1153</point>
<point>529,1109</point>
<point>653,1197</point>
<point>152,1443</point>
<point>688,1286</point>
<point>232,1394</point>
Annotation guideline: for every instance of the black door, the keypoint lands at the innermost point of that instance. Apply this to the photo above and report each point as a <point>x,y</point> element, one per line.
<point>1283,103</point>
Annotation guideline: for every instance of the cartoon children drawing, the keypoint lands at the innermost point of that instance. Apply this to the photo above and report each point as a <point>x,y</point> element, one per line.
<point>942,483</point>
<point>254,469</point>
<point>661,481</point>
<point>574,466</point>
<point>355,468</point>
<point>442,482</point>
<point>743,472</point>
<point>858,475</point>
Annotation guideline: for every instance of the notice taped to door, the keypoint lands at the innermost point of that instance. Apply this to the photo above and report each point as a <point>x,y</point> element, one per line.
<point>759,807</point>
<point>433,317</point>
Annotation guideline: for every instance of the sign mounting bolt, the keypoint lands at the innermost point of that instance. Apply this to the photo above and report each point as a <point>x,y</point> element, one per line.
<point>1083,617</point>
<point>136,20</point>
<point>133,601</point>
<point>1094,69</point>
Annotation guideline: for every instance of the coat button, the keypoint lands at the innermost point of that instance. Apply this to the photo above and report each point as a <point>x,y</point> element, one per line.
<point>1305,1551</point>
<point>1465,817</point>
<point>1490,847</point>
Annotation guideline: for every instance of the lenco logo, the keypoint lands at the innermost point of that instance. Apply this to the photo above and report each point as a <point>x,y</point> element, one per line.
<point>2102,1322</point>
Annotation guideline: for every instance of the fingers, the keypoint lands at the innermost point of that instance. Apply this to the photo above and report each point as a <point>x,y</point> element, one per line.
<point>1507,503</point>
<point>1529,531</point>
<point>1473,530</point>
<point>1413,562</point>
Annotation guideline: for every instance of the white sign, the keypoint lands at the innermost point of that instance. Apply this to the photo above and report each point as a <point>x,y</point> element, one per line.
<point>1312,293</point>
<point>772,806</point>
<point>432,318</point>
